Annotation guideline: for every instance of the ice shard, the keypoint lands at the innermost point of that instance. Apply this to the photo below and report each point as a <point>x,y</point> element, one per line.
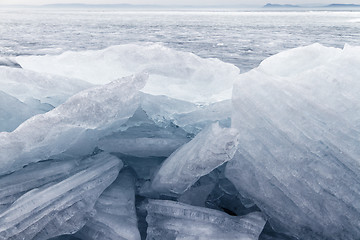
<point>32,93</point>
<point>65,237</point>
<point>189,116</point>
<point>72,128</point>
<point>225,197</point>
<point>4,61</point>
<point>13,112</point>
<point>198,193</point>
<point>169,220</point>
<point>59,207</point>
<point>209,149</point>
<point>175,74</point>
<point>298,154</point>
<point>29,87</point>
<point>115,217</point>
<point>144,138</point>
<point>14,185</point>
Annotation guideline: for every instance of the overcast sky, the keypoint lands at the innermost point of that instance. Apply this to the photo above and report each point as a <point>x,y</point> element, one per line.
<point>182,2</point>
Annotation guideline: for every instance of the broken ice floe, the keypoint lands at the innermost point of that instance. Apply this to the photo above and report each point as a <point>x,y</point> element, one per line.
<point>286,145</point>
<point>208,150</point>
<point>298,146</point>
<point>115,216</point>
<point>59,207</point>
<point>175,74</point>
<point>174,220</point>
<point>73,128</point>
<point>25,93</point>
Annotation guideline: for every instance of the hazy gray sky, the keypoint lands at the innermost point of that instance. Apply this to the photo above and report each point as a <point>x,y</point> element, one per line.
<point>182,2</point>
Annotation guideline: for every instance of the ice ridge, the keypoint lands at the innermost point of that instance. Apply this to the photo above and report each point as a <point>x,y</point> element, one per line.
<point>277,158</point>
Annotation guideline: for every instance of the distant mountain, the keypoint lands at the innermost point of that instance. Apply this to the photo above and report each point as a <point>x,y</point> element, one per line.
<point>337,5</point>
<point>270,5</point>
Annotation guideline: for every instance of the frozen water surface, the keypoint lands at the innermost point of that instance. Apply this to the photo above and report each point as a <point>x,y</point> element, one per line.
<point>243,38</point>
<point>208,153</point>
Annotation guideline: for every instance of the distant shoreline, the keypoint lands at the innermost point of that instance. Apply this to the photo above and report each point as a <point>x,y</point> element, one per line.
<point>267,7</point>
<point>334,5</point>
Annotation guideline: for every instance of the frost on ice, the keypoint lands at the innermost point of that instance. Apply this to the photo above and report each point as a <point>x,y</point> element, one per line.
<point>277,161</point>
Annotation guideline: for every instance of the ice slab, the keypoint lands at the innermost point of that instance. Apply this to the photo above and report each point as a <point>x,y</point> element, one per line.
<point>30,93</point>
<point>4,61</point>
<point>189,116</point>
<point>144,138</point>
<point>29,86</point>
<point>36,175</point>
<point>13,112</point>
<point>169,220</point>
<point>298,155</point>
<point>115,217</point>
<point>59,207</point>
<point>209,149</point>
<point>225,197</point>
<point>175,74</point>
<point>198,193</point>
<point>72,128</point>
<point>65,237</point>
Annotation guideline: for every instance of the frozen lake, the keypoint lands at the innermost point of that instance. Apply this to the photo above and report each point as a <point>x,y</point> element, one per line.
<point>243,38</point>
<point>110,128</point>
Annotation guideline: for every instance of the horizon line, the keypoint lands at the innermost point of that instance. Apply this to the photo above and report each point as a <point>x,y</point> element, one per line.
<point>215,6</point>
